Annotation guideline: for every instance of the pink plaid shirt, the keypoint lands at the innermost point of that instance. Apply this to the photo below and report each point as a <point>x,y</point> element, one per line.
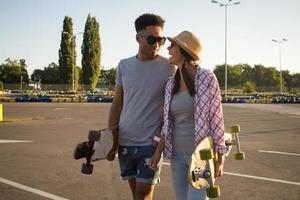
<point>208,112</point>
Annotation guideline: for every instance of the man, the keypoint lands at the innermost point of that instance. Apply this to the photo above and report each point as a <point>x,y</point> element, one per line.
<point>135,112</point>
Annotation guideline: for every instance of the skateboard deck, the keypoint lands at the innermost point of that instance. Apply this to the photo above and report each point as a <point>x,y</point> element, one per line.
<point>201,173</point>
<point>96,148</point>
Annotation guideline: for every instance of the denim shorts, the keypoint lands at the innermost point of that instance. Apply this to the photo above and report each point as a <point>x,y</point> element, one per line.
<point>134,164</point>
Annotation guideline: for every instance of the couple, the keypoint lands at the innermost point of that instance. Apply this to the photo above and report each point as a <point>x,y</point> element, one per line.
<point>156,109</point>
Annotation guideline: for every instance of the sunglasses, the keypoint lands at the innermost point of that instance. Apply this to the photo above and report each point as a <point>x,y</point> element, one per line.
<point>152,40</point>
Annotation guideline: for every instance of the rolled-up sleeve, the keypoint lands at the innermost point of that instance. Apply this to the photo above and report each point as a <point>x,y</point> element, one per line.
<point>216,119</point>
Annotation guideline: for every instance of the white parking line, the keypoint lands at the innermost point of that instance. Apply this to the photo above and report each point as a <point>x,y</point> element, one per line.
<point>255,177</point>
<point>30,189</point>
<point>278,152</point>
<point>263,178</point>
<point>13,141</point>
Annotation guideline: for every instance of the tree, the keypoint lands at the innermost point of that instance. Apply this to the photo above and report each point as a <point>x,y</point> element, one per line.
<point>91,53</point>
<point>67,53</point>
<point>248,73</point>
<point>295,80</point>
<point>220,74</point>
<point>248,87</point>
<point>287,78</point>
<point>1,86</point>
<point>13,70</point>
<point>234,75</point>
<point>37,75</point>
<point>50,74</point>
<point>108,77</point>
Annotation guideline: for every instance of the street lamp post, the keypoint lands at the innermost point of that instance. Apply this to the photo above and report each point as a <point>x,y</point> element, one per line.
<point>73,38</point>
<point>279,47</point>
<point>229,3</point>
<point>21,81</point>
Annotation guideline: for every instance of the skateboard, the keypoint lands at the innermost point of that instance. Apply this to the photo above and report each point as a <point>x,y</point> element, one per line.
<point>201,173</point>
<point>96,148</point>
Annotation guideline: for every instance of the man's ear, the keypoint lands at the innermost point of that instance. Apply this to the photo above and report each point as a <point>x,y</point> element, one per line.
<point>137,38</point>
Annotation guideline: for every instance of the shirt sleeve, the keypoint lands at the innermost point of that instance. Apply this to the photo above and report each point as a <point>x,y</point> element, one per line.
<point>216,117</point>
<point>119,75</point>
<point>167,93</point>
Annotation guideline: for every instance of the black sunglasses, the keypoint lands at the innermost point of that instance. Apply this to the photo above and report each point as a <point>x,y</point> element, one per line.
<point>152,40</point>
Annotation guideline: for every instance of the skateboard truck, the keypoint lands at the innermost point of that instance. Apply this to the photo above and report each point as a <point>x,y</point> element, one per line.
<point>240,155</point>
<point>86,150</point>
<point>213,191</point>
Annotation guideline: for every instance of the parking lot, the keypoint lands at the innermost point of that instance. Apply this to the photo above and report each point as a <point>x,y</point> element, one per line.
<point>36,147</point>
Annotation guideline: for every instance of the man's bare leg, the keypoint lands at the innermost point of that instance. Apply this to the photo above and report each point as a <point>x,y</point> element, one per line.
<point>144,191</point>
<point>132,184</point>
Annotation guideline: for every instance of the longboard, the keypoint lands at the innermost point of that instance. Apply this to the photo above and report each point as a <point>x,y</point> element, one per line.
<point>96,148</point>
<point>201,173</point>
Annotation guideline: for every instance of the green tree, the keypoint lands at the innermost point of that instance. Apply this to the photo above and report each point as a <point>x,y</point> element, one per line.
<point>220,74</point>
<point>91,53</point>
<point>37,75</point>
<point>67,53</point>
<point>108,77</point>
<point>271,77</point>
<point>248,73</point>
<point>13,70</point>
<point>295,81</point>
<point>287,78</point>
<point>1,86</point>
<point>50,74</point>
<point>234,76</point>
<point>248,87</point>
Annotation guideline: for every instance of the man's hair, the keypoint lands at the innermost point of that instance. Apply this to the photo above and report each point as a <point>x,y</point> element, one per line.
<point>148,19</point>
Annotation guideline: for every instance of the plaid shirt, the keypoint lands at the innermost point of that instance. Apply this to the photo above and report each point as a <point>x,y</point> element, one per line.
<point>207,111</point>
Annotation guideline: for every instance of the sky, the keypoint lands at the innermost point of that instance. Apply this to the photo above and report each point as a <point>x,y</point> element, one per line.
<point>31,29</point>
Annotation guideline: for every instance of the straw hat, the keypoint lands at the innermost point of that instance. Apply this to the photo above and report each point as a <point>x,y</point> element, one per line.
<point>188,42</point>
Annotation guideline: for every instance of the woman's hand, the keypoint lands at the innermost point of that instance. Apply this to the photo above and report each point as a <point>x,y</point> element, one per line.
<point>219,170</point>
<point>154,160</point>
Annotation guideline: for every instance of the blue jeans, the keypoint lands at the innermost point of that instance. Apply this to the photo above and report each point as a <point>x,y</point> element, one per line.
<point>183,189</point>
<point>134,164</point>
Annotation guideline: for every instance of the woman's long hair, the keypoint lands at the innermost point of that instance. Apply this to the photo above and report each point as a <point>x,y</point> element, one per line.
<point>189,81</point>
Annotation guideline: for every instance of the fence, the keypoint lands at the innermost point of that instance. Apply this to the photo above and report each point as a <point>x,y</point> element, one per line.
<point>55,87</point>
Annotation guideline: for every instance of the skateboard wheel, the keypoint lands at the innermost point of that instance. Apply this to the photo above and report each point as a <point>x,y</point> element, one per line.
<point>213,192</point>
<point>81,150</point>
<point>235,129</point>
<point>94,135</point>
<point>240,156</point>
<point>206,154</point>
<point>87,168</point>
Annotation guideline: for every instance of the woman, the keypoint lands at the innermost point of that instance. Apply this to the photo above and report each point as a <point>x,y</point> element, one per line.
<point>192,111</point>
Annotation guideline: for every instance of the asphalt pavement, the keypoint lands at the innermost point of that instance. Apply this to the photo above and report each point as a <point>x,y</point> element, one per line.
<point>37,163</point>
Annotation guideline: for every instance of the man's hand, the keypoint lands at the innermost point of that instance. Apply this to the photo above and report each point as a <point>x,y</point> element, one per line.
<point>112,153</point>
<point>220,165</point>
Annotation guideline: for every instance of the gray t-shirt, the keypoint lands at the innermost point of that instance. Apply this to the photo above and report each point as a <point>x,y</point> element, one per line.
<point>182,116</point>
<point>143,86</point>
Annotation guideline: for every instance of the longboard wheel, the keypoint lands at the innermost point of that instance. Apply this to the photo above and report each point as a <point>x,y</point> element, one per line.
<point>240,156</point>
<point>213,192</point>
<point>87,168</point>
<point>206,154</point>
<point>81,150</point>
<point>235,129</point>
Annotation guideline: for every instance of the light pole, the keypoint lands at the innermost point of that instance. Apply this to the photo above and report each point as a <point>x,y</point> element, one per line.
<point>21,81</point>
<point>279,45</point>
<point>73,38</point>
<point>229,3</point>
